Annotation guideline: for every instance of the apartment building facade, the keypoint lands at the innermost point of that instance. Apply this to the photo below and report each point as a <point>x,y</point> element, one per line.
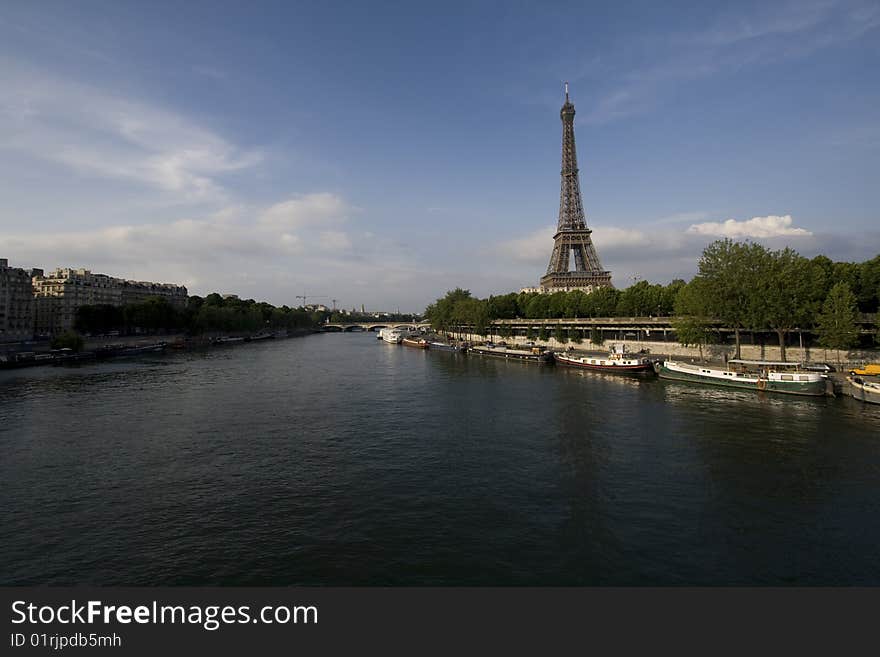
<point>16,303</point>
<point>58,295</point>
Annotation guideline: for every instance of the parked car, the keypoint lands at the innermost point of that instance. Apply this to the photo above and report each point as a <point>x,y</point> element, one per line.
<point>820,367</point>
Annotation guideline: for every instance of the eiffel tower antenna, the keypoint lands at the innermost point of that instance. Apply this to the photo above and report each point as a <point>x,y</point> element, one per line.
<point>572,239</point>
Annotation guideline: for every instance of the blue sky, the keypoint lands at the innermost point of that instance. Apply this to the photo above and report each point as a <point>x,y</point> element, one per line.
<point>382,153</point>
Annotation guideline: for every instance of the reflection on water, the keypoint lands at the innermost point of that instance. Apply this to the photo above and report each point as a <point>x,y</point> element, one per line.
<point>723,399</point>
<point>341,459</point>
<point>607,377</point>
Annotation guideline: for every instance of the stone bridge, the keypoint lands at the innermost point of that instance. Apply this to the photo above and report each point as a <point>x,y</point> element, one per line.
<point>372,326</point>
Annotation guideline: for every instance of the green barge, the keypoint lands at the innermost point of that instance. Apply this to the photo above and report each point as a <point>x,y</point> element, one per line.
<point>761,375</point>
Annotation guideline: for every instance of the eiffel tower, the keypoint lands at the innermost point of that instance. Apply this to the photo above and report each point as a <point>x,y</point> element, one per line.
<point>572,239</point>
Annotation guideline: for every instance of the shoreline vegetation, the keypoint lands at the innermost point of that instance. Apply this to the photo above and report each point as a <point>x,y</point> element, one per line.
<point>742,286</point>
<point>211,314</point>
<point>106,331</point>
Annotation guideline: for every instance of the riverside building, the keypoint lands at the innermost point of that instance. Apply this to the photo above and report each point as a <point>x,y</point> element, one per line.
<point>59,294</point>
<point>16,303</point>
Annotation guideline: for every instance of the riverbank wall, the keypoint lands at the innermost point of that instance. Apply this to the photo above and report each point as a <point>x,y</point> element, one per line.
<point>711,352</point>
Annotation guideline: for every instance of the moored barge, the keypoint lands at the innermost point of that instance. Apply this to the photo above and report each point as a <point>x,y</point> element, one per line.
<point>763,375</point>
<point>535,354</point>
<point>617,361</point>
<point>445,346</point>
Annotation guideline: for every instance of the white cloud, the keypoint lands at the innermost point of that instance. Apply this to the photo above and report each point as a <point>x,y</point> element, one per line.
<point>101,134</point>
<point>306,210</point>
<point>758,227</point>
<point>609,237</point>
<point>233,250</point>
<point>532,248</point>
<point>219,247</point>
<point>335,240</point>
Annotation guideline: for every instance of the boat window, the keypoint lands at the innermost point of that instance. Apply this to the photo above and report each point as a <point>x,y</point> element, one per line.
<point>804,378</point>
<point>787,377</point>
<point>601,362</point>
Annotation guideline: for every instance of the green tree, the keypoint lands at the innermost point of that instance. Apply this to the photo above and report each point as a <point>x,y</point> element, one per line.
<point>154,313</point>
<point>869,283</point>
<point>560,334</point>
<point>98,319</point>
<point>68,340</point>
<point>442,313</point>
<point>640,300</point>
<point>596,336</point>
<point>543,334</point>
<point>573,302</point>
<point>530,333</point>
<point>522,302</point>
<point>692,324</point>
<point>556,308</point>
<point>827,266</point>
<point>604,302</point>
<point>503,307</point>
<point>790,286</point>
<point>575,336</point>
<point>468,313</point>
<point>838,322</point>
<point>731,273</point>
<point>668,296</point>
<point>538,307</point>
<point>849,273</point>
<point>877,325</point>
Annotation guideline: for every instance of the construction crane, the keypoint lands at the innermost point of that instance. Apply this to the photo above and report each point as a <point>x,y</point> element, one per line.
<point>306,297</point>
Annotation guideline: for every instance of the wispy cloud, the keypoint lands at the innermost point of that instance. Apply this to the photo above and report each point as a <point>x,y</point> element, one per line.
<point>306,210</point>
<point>95,133</point>
<point>234,236</point>
<point>235,250</point>
<point>530,249</point>
<point>734,42</point>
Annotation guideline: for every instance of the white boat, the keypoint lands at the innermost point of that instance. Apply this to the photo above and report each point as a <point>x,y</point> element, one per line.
<point>864,390</point>
<point>764,375</point>
<point>394,336</point>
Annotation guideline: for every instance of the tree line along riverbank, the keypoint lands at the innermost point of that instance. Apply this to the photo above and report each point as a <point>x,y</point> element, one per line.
<point>742,286</point>
<point>202,319</point>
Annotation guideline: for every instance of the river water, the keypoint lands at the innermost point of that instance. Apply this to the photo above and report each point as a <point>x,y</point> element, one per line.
<point>339,459</point>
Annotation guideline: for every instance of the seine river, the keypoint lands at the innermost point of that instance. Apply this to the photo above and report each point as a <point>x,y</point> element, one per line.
<point>339,459</point>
